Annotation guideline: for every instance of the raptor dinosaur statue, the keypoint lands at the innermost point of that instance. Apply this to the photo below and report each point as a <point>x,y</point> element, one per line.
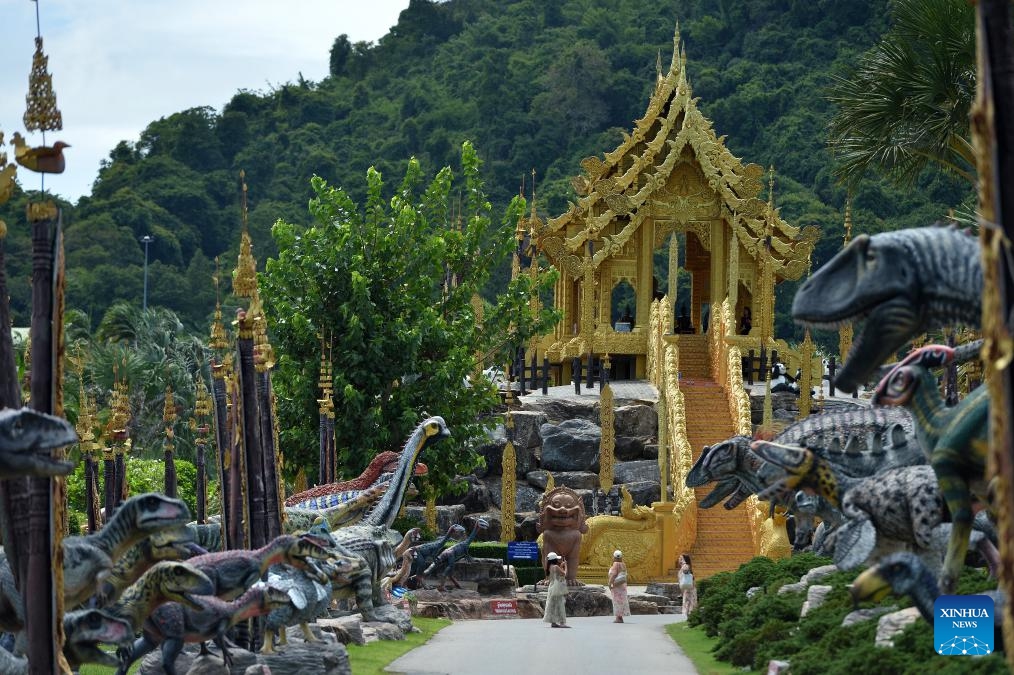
<point>174,543</point>
<point>903,506</point>
<point>25,436</point>
<point>447,559</point>
<point>903,283</point>
<point>380,469</point>
<point>173,624</point>
<point>906,574</point>
<point>84,630</point>
<point>422,555</point>
<point>374,540</point>
<point>956,439</point>
<point>165,582</point>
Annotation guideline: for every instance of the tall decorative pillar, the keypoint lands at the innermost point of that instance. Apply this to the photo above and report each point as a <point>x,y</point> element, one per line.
<point>607,444</point>
<point>509,483</point>
<point>845,331</point>
<point>168,445</point>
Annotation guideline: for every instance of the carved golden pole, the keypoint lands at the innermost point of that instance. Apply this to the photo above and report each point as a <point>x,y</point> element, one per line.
<point>169,418</point>
<point>607,444</point>
<point>431,511</point>
<point>663,445</point>
<point>845,332</point>
<point>733,269</point>
<point>806,355</point>
<point>199,422</point>
<point>672,280</point>
<point>508,485</point>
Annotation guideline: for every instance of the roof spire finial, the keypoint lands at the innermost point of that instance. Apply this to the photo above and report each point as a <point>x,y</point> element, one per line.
<point>848,220</point>
<point>533,193</point>
<point>658,67</point>
<point>674,66</point>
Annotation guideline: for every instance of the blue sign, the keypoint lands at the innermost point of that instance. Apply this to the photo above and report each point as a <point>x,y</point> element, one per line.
<point>522,550</point>
<point>963,625</point>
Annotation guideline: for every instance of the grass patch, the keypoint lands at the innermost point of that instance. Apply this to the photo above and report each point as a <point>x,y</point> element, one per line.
<point>371,659</point>
<point>699,648</point>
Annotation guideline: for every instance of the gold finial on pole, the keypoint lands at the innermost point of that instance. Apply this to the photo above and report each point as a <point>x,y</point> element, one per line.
<point>244,283</point>
<point>41,113</point>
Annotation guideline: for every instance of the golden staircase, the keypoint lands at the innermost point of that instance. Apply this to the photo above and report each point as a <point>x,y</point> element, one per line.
<point>724,540</point>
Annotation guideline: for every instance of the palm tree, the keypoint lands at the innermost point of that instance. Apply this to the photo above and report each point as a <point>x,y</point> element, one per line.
<point>906,106</point>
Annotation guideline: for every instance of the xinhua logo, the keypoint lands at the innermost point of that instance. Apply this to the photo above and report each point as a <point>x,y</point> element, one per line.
<point>963,625</point>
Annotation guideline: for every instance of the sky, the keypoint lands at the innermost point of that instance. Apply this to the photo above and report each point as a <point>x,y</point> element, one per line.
<point>118,65</point>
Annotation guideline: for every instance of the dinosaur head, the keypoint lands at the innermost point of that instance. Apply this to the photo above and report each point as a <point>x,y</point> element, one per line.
<point>723,488</point>
<point>23,433</point>
<point>456,531</point>
<point>899,386</point>
<point>717,461</point>
<point>297,551</point>
<point>874,278</point>
<point>788,468</point>
<point>898,573</point>
<point>174,543</point>
<point>86,629</point>
<point>151,511</point>
<point>179,582</point>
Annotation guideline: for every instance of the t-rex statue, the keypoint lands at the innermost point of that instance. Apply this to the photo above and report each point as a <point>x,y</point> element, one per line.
<point>562,524</point>
<point>174,624</point>
<point>896,506</point>
<point>904,283</point>
<point>443,565</point>
<point>380,468</point>
<point>955,437</point>
<point>23,434</point>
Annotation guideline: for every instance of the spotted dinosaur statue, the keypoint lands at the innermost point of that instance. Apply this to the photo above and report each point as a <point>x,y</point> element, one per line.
<point>23,433</point>
<point>374,540</point>
<point>306,598</point>
<point>384,464</point>
<point>903,505</point>
<point>443,565</point>
<point>173,624</point>
<point>903,283</point>
<point>956,438</point>
<point>174,543</point>
<point>135,519</point>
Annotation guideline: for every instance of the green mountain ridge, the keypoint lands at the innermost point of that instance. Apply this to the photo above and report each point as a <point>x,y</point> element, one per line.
<point>535,85</point>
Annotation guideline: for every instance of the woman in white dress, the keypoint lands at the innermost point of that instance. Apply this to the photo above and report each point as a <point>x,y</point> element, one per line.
<point>556,598</point>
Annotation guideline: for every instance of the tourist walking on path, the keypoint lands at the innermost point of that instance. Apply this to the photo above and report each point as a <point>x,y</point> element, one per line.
<point>556,598</point>
<point>687,584</point>
<point>618,587</point>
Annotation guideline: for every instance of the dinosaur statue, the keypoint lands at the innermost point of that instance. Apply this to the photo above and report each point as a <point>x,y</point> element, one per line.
<point>373,540</point>
<point>233,572</point>
<point>174,543</point>
<point>903,505</point>
<point>445,561</point>
<point>904,283</point>
<point>174,624</point>
<point>422,555</point>
<point>207,535</point>
<point>132,521</point>
<point>384,464</point>
<point>341,514</point>
<point>411,538</point>
<point>906,574</point>
<point>165,582</point>
<point>956,439</point>
<point>83,630</point>
<point>23,433</point>
<point>306,598</point>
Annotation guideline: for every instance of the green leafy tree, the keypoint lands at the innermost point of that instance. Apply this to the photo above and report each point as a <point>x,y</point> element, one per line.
<point>906,105</point>
<point>389,286</point>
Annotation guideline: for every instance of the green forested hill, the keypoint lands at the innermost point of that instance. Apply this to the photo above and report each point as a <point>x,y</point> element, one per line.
<point>533,83</point>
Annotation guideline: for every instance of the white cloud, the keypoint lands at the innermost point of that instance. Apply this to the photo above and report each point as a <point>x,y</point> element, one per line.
<point>119,64</point>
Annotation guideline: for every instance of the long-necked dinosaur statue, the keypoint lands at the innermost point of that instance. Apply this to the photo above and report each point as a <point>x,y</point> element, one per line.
<point>379,469</point>
<point>901,506</point>
<point>956,439</point>
<point>374,541</point>
<point>174,624</point>
<point>903,283</point>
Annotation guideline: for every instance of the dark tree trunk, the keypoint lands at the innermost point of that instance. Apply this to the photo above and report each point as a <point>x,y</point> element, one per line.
<point>170,474</point>
<point>121,478</point>
<point>323,471</point>
<point>109,483</point>
<point>272,486</point>
<point>40,589</point>
<point>90,476</point>
<point>10,397</point>
<point>222,441</point>
<point>252,444</point>
<point>237,508</point>
<point>202,484</point>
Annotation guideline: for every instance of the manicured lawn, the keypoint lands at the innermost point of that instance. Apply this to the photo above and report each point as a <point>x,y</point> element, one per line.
<point>369,659</point>
<point>697,646</point>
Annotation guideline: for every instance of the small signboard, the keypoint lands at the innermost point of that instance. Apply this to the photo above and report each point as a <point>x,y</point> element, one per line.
<point>522,550</point>
<point>503,607</point>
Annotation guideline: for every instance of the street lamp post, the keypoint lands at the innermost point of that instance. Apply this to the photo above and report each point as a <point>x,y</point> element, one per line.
<point>146,239</point>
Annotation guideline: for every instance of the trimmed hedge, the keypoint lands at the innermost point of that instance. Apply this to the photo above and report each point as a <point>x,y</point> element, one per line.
<point>528,571</point>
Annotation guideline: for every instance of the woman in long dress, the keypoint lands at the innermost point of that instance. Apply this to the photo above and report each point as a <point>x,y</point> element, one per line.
<point>687,584</point>
<point>618,587</point>
<point>556,598</point>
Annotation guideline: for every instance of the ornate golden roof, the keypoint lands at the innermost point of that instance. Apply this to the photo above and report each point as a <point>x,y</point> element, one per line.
<point>641,180</point>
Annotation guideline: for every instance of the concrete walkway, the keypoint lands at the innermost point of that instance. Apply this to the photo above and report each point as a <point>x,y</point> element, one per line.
<point>511,646</point>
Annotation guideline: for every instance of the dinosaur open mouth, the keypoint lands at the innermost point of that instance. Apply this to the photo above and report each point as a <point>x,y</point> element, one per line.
<point>32,463</point>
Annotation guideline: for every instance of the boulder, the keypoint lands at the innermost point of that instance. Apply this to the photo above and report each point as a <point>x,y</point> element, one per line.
<point>493,517</point>
<point>639,606</point>
<point>629,448</point>
<point>446,515</point>
<point>577,480</point>
<point>644,492</point>
<point>634,472</point>
<point>298,658</point>
<point>526,428</point>
<point>815,597</point>
<point>650,451</point>
<point>491,450</point>
<point>559,410</point>
<point>657,600</point>
<point>572,445</point>
<point>524,526</point>
<point>476,497</point>
<point>664,589</point>
<point>526,498</point>
<point>890,625</point>
<point>860,615</point>
<point>587,601</point>
<point>383,630</point>
<point>636,420</point>
<point>348,629</point>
